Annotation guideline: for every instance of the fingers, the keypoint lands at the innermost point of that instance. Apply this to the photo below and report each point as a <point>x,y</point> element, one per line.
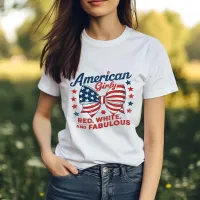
<point>70,167</point>
<point>58,165</point>
<point>63,172</point>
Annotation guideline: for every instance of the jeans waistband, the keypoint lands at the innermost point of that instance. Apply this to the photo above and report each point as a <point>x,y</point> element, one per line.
<point>112,167</point>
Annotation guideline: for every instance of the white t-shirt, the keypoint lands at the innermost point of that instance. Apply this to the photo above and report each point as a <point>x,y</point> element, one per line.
<point>103,104</point>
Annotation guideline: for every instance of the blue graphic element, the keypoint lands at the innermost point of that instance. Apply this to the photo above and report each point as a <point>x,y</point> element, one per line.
<point>76,114</point>
<point>130,103</point>
<point>82,79</point>
<point>128,82</point>
<point>88,95</point>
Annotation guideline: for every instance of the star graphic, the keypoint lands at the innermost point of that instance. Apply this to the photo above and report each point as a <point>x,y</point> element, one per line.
<point>128,82</point>
<point>73,99</point>
<point>129,110</point>
<point>76,114</point>
<point>74,91</point>
<point>130,103</point>
<point>103,112</point>
<point>74,106</point>
<point>130,89</point>
<point>131,96</point>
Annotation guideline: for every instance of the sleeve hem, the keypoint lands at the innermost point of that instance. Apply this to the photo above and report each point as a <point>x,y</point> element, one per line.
<point>48,91</point>
<point>160,93</point>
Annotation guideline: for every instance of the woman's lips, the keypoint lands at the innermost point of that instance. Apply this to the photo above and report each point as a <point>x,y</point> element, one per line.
<point>96,2</point>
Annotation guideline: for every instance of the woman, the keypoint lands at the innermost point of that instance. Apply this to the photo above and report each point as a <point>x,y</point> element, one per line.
<point>103,69</point>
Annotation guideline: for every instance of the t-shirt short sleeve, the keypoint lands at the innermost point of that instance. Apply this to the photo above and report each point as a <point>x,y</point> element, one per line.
<point>48,85</point>
<point>161,80</point>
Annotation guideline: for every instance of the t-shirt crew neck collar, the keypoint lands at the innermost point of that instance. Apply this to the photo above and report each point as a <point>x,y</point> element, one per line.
<point>106,43</point>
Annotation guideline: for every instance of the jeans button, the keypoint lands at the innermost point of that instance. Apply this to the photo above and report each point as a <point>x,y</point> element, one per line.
<point>105,169</point>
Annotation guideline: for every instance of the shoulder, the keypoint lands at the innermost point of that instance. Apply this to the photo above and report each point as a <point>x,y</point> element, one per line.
<point>151,44</point>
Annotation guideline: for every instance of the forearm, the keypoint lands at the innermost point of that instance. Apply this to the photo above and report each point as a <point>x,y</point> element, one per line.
<point>42,131</point>
<point>152,170</point>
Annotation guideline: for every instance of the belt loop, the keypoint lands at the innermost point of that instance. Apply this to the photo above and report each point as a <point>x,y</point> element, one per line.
<point>101,166</point>
<point>122,170</point>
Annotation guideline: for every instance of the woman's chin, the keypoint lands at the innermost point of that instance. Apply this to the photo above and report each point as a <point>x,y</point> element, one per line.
<point>98,13</point>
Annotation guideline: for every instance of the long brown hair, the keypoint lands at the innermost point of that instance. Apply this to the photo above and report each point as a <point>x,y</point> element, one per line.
<point>61,54</point>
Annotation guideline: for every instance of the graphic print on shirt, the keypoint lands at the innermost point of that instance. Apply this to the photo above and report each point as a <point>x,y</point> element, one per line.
<point>113,100</point>
<point>107,106</point>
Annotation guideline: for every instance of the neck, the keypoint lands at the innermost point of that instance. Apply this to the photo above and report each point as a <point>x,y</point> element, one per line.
<point>106,27</point>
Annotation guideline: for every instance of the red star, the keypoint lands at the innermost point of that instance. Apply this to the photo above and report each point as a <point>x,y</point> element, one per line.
<point>131,96</point>
<point>74,106</point>
<point>129,110</point>
<point>103,112</point>
<point>74,91</point>
<point>130,89</point>
<point>73,99</point>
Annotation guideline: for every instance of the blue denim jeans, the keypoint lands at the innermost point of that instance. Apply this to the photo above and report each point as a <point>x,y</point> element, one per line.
<point>109,181</point>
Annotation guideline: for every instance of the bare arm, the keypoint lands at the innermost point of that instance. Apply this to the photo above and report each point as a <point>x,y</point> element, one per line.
<point>42,130</point>
<point>154,114</point>
<point>41,121</point>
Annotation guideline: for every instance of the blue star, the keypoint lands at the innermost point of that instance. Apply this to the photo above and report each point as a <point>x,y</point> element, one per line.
<point>76,114</point>
<point>128,82</point>
<point>130,103</point>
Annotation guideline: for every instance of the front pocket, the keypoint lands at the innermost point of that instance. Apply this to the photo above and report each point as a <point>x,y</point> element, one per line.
<point>61,177</point>
<point>134,174</point>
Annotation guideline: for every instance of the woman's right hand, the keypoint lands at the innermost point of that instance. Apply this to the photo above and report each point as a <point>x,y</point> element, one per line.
<point>57,165</point>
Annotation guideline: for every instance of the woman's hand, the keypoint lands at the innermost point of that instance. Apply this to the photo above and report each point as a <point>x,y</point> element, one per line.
<point>57,165</point>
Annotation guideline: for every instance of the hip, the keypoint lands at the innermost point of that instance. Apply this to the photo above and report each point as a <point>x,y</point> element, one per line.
<point>100,182</point>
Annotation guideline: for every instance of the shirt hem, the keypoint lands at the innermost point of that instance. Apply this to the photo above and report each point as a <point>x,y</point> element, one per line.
<point>160,93</point>
<point>44,89</point>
